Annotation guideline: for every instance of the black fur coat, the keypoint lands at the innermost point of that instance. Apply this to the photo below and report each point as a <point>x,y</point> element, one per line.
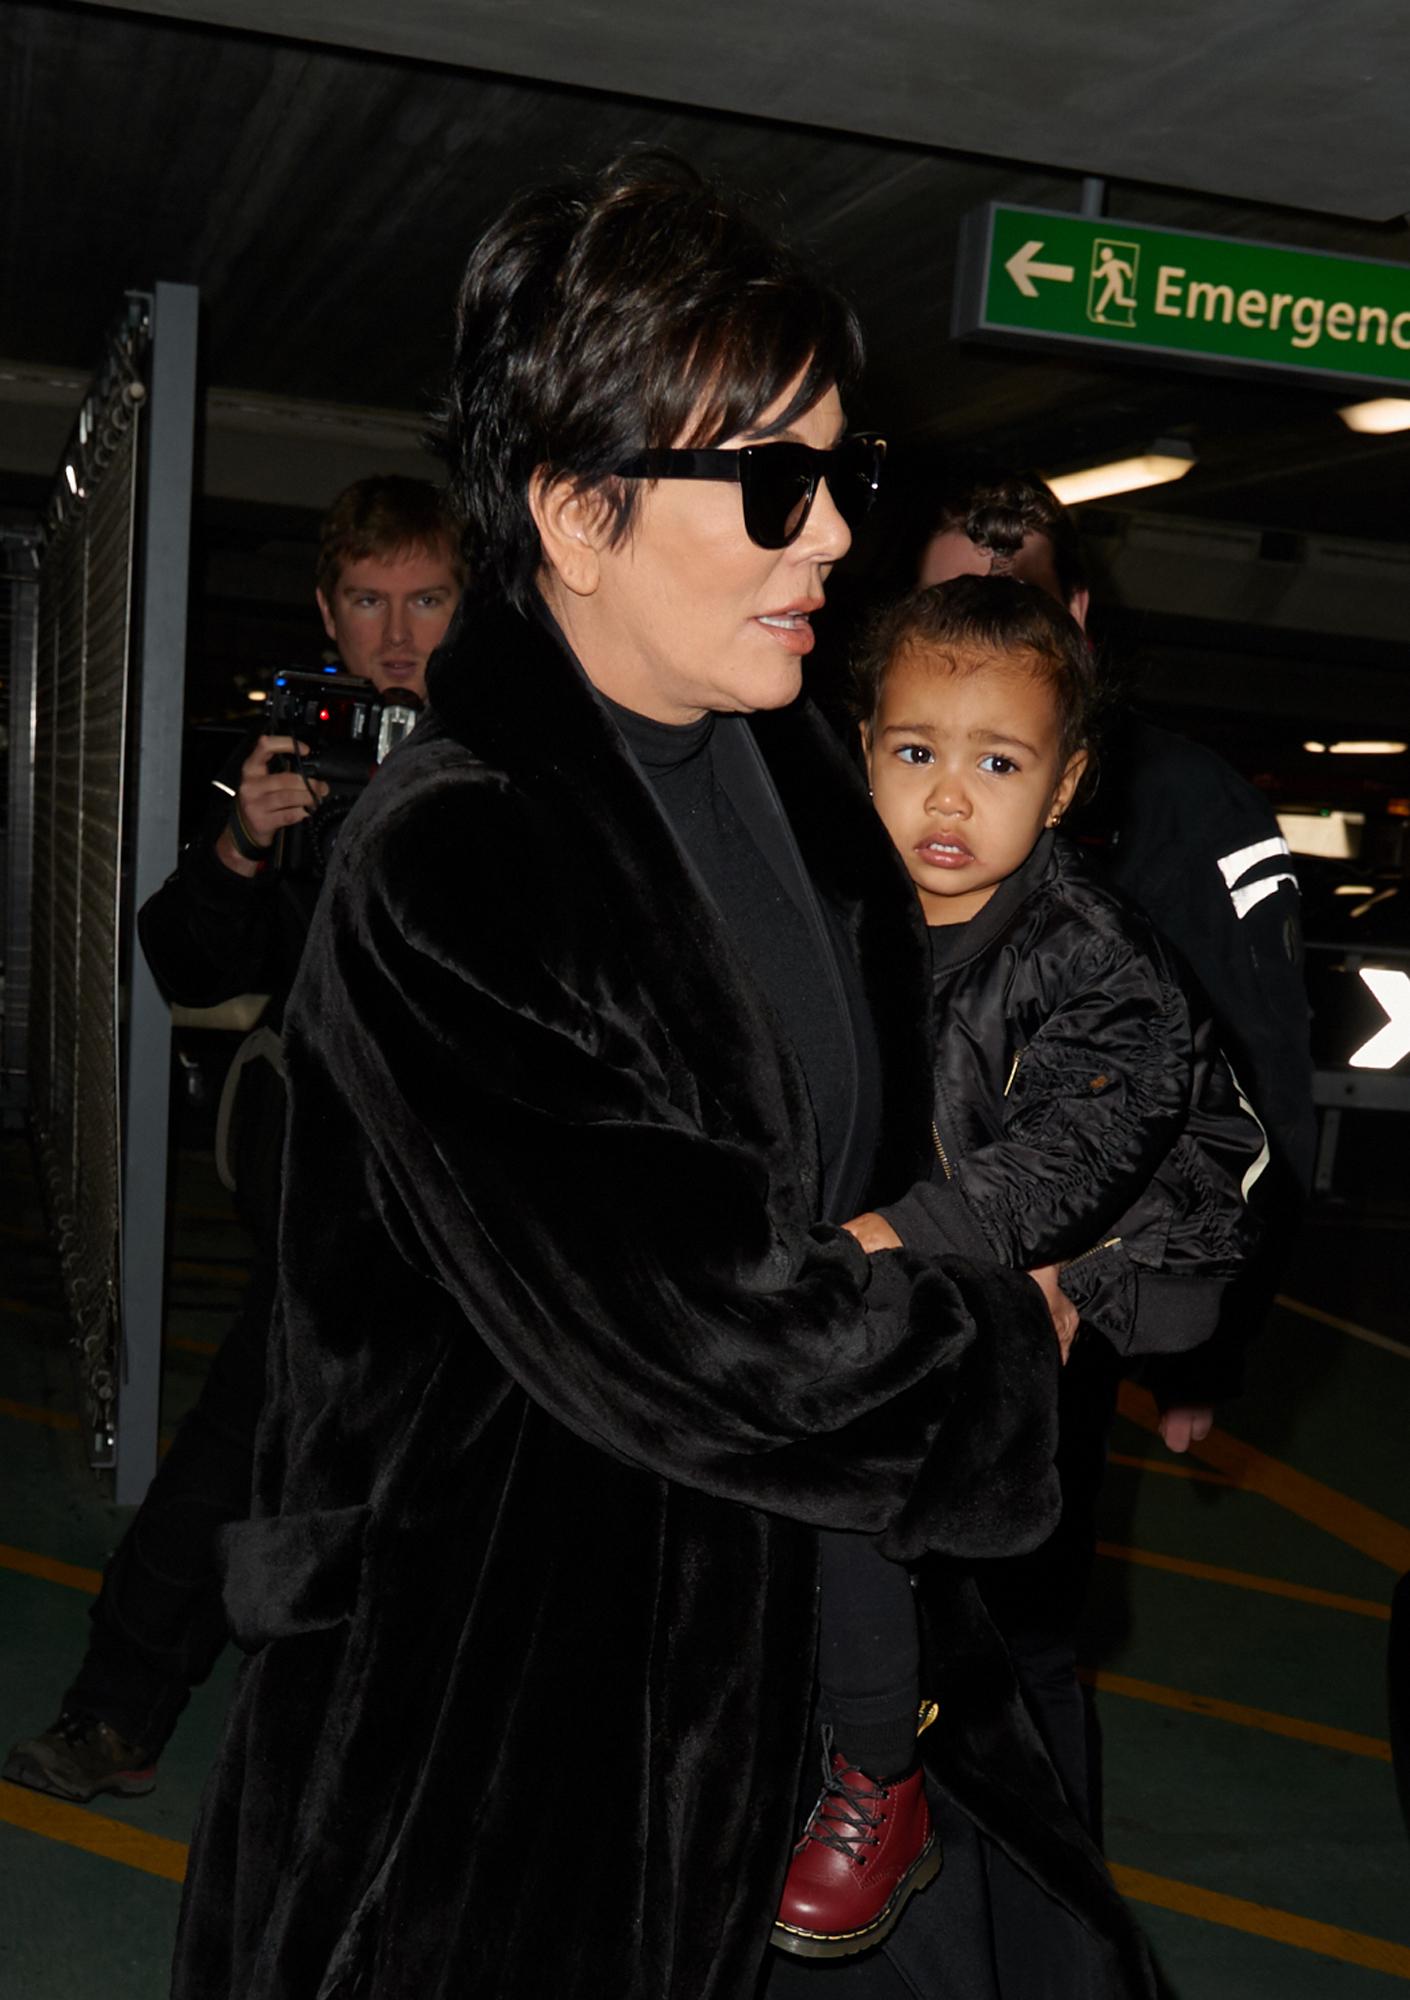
<point>563,1376</point>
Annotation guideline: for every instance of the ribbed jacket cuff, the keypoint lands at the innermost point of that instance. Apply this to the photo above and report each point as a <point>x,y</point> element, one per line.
<point>934,1221</point>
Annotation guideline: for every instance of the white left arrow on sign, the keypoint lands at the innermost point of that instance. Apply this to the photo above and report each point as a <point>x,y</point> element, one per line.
<point>1023,268</point>
<point>1390,1043</point>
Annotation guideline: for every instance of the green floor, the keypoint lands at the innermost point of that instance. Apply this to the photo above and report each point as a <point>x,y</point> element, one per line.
<point>1267,1861</point>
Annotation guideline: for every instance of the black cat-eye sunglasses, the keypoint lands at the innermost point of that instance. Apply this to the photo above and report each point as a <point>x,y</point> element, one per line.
<point>778,480</point>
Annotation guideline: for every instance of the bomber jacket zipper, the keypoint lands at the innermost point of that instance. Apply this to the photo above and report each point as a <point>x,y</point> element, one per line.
<point>1111,1243</point>
<point>943,1156</point>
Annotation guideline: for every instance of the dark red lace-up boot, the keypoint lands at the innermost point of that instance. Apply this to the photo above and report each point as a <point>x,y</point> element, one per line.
<point>866,1850</point>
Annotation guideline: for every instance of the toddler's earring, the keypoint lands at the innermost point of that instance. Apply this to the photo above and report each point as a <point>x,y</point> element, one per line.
<point>1055,819</point>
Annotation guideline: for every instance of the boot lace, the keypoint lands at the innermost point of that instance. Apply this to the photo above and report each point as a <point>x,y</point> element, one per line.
<point>848,1809</point>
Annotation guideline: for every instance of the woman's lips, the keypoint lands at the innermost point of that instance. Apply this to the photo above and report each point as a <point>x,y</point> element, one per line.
<point>949,852</point>
<point>790,629</point>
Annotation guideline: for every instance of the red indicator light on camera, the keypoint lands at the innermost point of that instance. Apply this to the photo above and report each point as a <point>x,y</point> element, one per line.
<point>325,715</point>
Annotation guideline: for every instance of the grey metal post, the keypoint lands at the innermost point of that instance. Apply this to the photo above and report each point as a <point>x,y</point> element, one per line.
<point>154,777</point>
<point>1093,195</point>
<point>17,558</point>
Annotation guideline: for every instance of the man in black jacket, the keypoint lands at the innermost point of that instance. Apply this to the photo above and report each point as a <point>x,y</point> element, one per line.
<point>226,922</point>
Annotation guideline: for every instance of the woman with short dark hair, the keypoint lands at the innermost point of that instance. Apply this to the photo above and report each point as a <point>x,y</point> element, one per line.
<point>611,1014</point>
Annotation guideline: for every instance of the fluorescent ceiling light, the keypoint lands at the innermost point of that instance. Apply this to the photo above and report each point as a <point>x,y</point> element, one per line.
<point>1318,749</point>
<point>1381,415</point>
<point>1354,889</point>
<point>255,694</point>
<point>1167,459</point>
<point>1371,747</point>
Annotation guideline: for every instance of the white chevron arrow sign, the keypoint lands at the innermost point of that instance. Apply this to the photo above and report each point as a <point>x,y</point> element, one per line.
<point>1390,1043</point>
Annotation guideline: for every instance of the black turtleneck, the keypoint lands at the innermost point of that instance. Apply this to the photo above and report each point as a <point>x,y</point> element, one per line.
<point>775,938</point>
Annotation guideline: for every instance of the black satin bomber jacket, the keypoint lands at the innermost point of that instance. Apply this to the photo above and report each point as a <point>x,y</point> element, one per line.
<point>1084,1114</point>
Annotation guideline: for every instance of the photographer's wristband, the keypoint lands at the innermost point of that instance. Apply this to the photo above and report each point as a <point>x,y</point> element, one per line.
<point>241,840</point>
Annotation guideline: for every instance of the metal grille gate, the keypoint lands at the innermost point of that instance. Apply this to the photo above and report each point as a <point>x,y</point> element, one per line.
<point>85,615</point>
<point>19,600</point>
<point>106,718</point>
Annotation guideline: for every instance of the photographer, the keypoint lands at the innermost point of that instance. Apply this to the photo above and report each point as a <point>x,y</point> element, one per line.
<point>230,921</point>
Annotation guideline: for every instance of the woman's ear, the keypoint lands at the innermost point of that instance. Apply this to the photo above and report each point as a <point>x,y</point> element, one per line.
<point>1066,786</point>
<point>571,521</point>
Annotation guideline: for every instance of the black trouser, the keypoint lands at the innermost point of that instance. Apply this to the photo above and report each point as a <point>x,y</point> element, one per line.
<point>1398,1691</point>
<point>158,1622</point>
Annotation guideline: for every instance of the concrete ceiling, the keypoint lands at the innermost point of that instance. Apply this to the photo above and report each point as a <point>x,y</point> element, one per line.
<point>1281,101</point>
<point>323,199</point>
<point>320,172</point>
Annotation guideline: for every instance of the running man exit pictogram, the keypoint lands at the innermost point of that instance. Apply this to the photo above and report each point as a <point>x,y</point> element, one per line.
<point>1111,292</point>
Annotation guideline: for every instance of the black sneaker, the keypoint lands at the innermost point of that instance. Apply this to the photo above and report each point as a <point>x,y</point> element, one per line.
<point>79,1757</point>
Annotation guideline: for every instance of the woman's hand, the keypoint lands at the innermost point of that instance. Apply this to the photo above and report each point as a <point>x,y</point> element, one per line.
<point>1063,1313</point>
<point>873,1232</point>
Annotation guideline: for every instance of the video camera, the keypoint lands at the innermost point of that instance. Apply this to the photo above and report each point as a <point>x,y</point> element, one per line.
<point>350,728</point>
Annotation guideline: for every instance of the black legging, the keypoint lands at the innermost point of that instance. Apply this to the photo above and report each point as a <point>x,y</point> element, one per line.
<point>868,1654</point>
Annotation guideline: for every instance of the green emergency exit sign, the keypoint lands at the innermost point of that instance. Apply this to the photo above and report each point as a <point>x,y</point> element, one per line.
<point>1202,301</point>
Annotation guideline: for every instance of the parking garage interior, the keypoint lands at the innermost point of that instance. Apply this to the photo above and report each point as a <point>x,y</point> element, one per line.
<point>301,184</point>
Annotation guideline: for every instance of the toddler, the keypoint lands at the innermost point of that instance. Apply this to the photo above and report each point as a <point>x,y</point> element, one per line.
<point>1083,1118</point>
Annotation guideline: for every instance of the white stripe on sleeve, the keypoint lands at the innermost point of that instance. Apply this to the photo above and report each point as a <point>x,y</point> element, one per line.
<point>1253,893</point>
<point>1232,866</point>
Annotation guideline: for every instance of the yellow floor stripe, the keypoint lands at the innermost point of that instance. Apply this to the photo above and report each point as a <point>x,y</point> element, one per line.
<point>1170,1469</point>
<point>185,1344</point>
<point>1265,1719</point>
<point>235,1275</point>
<point>49,1571</point>
<point>30,1413</point>
<point>1351,1326</point>
<point>77,1826</point>
<point>1270,1586</point>
<point>1259,1920</point>
<point>1375,1535</point>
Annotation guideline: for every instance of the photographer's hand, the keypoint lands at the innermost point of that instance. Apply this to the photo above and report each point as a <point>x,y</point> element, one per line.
<point>268,800</point>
